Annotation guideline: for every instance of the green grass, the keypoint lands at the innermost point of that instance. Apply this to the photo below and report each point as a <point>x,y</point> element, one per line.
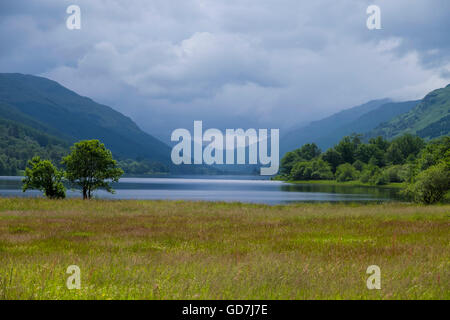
<point>201,250</point>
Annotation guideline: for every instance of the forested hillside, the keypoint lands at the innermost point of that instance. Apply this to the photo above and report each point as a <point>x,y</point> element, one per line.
<point>429,119</point>
<point>46,105</point>
<point>40,117</point>
<point>19,143</point>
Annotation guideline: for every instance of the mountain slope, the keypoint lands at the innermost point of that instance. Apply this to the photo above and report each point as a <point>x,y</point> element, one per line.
<point>328,131</point>
<point>46,105</point>
<point>366,122</point>
<point>429,119</point>
<point>19,143</point>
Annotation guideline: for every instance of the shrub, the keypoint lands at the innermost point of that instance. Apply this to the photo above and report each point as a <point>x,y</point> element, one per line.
<point>379,179</point>
<point>311,170</point>
<point>307,152</point>
<point>369,172</point>
<point>346,172</point>
<point>398,173</point>
<point>431,185</point>
<point>359,165</point>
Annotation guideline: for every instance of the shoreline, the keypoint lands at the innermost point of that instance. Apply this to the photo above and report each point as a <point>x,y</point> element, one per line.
<point>396,185</point>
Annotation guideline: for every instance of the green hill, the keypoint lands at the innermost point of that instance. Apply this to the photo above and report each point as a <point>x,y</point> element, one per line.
<point>47,106</point>
<point>429,119</point>
<point>328,131</point>
<point>40,117</point>
<point>19,142</point>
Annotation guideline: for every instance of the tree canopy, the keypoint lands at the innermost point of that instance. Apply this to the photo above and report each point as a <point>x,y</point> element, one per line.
<point>424,167</point>
<point>44,176</point>
<point>90,165</point>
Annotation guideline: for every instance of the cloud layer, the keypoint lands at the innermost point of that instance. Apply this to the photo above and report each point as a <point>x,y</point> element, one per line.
<point>233,63</point>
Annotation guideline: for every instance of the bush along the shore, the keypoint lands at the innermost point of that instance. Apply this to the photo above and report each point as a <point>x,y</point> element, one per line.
<point>90,166</point>
<point>423,167</point>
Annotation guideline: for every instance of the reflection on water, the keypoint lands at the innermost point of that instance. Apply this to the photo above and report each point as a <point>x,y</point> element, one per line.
<point>254,189</point>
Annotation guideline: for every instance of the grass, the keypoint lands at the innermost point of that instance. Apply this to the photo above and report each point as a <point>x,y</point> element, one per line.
<point>199,250</point>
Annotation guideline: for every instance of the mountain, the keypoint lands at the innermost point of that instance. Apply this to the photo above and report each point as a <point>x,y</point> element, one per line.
<point>328,131</point>
<point>19,143</point>
<point>367,121</point>
<point>429,119</point>
<point>47,106</point>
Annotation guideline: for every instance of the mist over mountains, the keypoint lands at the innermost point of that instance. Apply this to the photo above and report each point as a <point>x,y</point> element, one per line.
<point>39,116</point>
<point>428,118</point>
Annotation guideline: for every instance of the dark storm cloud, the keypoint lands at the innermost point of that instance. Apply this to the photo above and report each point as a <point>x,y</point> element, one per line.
<point>234,63</point>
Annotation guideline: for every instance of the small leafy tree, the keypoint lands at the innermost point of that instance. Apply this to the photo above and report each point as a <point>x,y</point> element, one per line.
<point>431,185</point>
<point>288,162</point>
<point>333,158</point>
<point>307,152</point>
<point>402,147</point>
<point>311,170</point>
<point>43,175</point>
<point>346,172</point>
<point>359,165</point>
<point>347,147</point>
<point>91,166</point>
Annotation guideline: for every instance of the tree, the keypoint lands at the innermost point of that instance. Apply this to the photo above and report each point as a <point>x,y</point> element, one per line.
<point>431,185</point>
<point>346,172</point>
<point>370,173</point>
<point>90,165</point>
<point>302,171</point>
<point>311,170</point>
<point>43,175</point>
<point>380,143</point>
<point>307,152</point>
<point>347,147</point>
<point>435,151</point>
<point>399,173</point>
<point>402,147</point>
<point>359,165</point>
<point>288,161</point>
<point>333,158</point>
<point>365,152</point>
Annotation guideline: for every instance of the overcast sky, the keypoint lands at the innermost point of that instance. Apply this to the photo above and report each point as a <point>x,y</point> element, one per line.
<point>230,63</point>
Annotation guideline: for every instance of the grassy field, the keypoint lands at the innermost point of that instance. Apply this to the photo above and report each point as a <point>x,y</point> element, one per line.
<point>200,250</point>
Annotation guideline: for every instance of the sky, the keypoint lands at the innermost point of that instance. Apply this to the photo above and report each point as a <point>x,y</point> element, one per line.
<point>230,63</point>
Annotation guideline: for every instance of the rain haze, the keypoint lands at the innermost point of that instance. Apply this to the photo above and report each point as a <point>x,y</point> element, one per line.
<point>231,64</point>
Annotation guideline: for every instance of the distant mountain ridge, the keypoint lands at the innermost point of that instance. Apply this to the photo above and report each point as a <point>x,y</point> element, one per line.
<point>428,118</point>
<point>328,131</point>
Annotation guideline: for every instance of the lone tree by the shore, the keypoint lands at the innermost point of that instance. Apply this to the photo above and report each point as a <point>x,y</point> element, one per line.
<point>43,175</point>
<point>91,166</point>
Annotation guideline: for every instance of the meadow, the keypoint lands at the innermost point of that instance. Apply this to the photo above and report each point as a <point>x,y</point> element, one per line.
<point>129,249</point>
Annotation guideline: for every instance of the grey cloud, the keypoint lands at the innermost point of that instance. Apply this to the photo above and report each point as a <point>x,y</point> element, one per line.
<point>234,63</point>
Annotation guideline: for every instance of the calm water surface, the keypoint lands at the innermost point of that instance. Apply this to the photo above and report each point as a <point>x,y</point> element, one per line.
<point>252,189</point>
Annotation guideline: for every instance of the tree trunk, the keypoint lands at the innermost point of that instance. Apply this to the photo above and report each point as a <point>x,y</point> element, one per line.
<point>84,193</point>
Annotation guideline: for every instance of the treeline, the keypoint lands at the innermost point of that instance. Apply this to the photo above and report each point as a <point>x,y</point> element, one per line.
<point>378,162</point>
<point>19,143</point>
<point>142,167</point>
